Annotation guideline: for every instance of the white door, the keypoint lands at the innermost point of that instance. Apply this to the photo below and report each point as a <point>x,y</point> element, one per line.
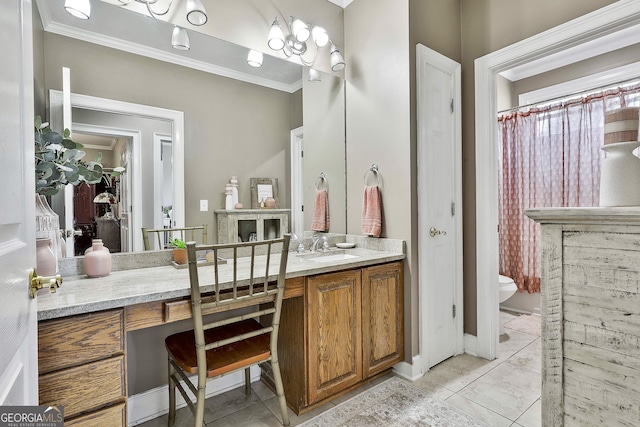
<point>297,181</point>
<point>439,207</point>
<point>162,178</point>
<point>18,323</point>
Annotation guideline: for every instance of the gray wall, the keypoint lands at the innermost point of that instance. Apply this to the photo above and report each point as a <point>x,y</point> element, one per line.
<point>324,146</point>
<point>378,124</point>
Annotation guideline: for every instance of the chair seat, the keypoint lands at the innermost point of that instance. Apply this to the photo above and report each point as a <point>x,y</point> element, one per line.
<point>227,358</point>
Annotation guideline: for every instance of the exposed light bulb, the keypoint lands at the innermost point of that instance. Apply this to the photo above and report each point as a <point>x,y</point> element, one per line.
<point>180,39</point>
<point>337,61</point>
<point>314,75</point>
<point>276,36</point>
<point>320,36</point>
<point>78,8</point>
<point>300,30</point>
<point>196,13</point>
<point>254,58</point>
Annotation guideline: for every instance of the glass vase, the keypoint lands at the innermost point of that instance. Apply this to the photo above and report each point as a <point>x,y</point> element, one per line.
<point>48,226</point>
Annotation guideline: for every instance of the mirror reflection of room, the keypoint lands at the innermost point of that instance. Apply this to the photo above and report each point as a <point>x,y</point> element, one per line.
<point>217,111</point>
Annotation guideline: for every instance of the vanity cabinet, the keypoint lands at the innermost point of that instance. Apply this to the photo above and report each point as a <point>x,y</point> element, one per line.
<point>353,331</point>
<point>334,331</point>
<point>239,225</point>
<point>81,366</point>
<point>590,315</point>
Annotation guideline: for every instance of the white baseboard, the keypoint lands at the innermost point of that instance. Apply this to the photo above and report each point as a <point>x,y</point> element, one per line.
<point>411,371</point>
<point>471,344</point>
<point>154,403</point>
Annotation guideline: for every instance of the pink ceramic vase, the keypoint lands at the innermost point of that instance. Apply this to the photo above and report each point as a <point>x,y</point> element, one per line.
<point>97,260</point>
<point>45,258</point>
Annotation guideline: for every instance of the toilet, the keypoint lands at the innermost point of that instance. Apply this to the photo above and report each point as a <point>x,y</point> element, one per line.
<point>507,287</point>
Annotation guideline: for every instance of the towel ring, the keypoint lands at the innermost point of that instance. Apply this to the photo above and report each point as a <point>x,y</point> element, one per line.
<point>373,169</point>
<point>322,179</point>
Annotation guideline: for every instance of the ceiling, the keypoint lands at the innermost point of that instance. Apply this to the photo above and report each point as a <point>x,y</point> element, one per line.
<point>142,35</point>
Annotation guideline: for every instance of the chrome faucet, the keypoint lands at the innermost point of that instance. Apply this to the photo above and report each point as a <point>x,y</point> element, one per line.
<point>316,238</point>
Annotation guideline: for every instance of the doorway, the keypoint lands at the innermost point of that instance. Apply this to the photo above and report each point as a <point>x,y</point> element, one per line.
<point>117,147</point>
<point>606,29</point>
<point>439,153</point>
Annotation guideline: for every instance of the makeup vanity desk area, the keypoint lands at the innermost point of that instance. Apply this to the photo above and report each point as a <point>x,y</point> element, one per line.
<point>82,330</point>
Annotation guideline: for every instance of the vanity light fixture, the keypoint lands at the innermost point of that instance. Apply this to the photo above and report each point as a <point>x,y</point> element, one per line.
<point>296,42</point>
<point>337,61</point>
<point>195,11</point>
<point>254,58</point>
<point>180,39</point>
<point>78,8</point>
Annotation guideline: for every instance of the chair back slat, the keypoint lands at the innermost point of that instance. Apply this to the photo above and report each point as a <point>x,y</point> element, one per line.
<point>163,235</point>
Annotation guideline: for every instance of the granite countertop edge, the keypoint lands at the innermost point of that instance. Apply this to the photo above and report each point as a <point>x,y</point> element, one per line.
<point>144,285</point>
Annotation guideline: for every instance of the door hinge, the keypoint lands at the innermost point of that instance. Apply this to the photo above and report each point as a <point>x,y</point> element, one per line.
<point>451,105</point>
<point>302,208</point>
<point>454,310</point>
<point>453,208</point>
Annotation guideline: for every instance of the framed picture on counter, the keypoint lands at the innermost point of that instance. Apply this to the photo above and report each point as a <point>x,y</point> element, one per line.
<point>261,189</point>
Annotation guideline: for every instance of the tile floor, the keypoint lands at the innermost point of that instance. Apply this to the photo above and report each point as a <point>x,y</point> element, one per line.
<point>503,392</point>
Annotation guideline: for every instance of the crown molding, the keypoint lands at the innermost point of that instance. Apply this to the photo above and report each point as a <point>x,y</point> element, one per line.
<point>341,3</point>
<point>138,49</point>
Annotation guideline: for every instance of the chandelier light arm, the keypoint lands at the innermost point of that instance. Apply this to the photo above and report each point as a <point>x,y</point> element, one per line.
<point>155,14</point>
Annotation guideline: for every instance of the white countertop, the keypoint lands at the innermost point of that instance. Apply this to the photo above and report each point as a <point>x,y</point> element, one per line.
<point>80,294</point>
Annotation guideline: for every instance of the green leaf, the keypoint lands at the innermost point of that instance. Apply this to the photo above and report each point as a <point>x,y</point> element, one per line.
<point>67,134</point>
<point>38,122</point>
<point>67,143</point>
<point>52,138</point>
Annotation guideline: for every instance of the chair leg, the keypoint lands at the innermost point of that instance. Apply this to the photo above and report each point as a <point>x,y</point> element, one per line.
<point>277,379</point>
<point>172,396</point>
<point>199,414</point>
<point>247,381</point>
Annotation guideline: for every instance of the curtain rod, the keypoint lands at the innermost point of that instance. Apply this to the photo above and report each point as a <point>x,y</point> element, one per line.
<point>533,104</point>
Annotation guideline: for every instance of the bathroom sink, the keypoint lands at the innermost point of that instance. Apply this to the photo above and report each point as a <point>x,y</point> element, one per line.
<point>332,258</point>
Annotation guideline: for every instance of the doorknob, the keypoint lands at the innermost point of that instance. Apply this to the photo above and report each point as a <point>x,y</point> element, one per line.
<point>36,282</point>
<point>434,232</point>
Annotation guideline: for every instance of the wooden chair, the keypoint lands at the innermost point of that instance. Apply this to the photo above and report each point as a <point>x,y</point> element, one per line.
<point>217,348</point>
<point>164,235</point>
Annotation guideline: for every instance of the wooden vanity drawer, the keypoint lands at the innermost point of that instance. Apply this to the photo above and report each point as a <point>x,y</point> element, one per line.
<point>109,417</point>
<point>86,387</point>
<point>150,314</point>
<point>71,341</point>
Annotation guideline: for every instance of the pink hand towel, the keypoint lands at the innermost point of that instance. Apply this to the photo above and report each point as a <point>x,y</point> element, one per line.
<point>321,211</point>
<point>372,211</point>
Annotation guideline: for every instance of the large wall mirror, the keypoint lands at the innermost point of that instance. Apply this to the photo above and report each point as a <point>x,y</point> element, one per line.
<point>234,123</point>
